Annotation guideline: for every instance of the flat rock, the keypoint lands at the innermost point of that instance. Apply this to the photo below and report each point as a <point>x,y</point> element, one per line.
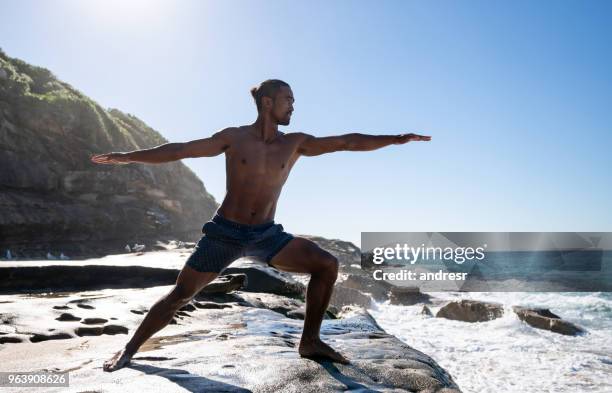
<point>94,321</point>
<point>246,347</point>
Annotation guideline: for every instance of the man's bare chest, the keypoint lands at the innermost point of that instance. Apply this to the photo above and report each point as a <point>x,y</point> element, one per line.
<point>261,159</point>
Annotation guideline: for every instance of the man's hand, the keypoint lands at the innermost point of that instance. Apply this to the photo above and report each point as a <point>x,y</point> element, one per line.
<point>404,138</point>
<point>111,158</point>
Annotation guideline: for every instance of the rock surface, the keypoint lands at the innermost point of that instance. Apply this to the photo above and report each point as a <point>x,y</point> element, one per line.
<point>543,318</point>
<point>54,199</point>
<point>470,311</point>
<point>243,345</point>
<point>264,279</point>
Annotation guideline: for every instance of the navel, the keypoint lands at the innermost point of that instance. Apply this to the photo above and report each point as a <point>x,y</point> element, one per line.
<point>252,213</point>
<point>243,161</point>
<point>282,166</point>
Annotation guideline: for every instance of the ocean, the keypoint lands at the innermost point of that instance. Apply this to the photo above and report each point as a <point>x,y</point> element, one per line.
<point>506,354</point>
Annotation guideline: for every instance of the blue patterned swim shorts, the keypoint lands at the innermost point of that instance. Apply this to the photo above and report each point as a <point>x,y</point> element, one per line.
<point>224,241</point>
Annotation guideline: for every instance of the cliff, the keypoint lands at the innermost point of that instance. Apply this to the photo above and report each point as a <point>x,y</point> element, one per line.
<point>52,198</point>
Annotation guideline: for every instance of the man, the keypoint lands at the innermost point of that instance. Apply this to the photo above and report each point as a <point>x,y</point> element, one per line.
<point>258,160</point>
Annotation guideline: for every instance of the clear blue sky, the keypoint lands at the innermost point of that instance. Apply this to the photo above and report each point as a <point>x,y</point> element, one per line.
<point>516,96</point>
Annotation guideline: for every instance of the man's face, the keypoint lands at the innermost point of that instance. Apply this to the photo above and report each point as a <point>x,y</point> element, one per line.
<point>282,106</point>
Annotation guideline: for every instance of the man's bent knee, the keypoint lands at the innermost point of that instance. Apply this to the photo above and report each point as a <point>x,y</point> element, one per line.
<point>330,266</point>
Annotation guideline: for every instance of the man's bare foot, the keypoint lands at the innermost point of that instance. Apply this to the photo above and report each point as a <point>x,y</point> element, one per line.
<point>315,349</point>
<point>119,360</point>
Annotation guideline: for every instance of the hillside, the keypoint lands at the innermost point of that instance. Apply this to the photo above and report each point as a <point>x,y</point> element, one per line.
<point>52,198</point>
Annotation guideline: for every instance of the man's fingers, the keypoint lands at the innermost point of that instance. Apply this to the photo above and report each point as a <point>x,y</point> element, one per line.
<point>105,159</point>
<point>100,158</point>
<point>420,137</point>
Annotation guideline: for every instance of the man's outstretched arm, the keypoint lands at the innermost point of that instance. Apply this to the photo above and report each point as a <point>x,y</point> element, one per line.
<point>207,147</point>
<point>314,146</point>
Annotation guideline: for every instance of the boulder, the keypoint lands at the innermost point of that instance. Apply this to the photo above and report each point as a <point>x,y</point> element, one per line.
<point>543,318</point>
<point>263,278</point>
<point>67,317</point>
<point>470,311</point>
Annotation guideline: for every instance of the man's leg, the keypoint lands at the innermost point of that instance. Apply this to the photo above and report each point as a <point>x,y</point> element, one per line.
<point>188,284</point>
<point>301,255</point>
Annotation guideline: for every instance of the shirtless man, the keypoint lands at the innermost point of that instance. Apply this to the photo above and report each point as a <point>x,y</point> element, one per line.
<point>258,160</point>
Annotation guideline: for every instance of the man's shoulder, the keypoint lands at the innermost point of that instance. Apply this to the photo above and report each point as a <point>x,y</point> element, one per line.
<point>227,132</point>
<point>298,135</point>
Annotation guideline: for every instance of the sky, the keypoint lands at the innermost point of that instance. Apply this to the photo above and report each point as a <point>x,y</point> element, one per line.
<point>515,95</point>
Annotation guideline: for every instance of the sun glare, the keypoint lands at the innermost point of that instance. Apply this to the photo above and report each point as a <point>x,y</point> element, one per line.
<point>127,14</point>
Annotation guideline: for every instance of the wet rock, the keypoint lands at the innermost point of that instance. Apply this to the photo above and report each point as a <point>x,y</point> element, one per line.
<point>426,311</point>
<point>115,329</point>
<point>211,305</point>
<point>68,317</point>
<point>10,339</point>
<point>89,330</point>
<point>86,306</point>
<point>543,318</point>
<point>61,307</point>
<point>94,321</point>
<point>38,337</point>
<point>471,311</point>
